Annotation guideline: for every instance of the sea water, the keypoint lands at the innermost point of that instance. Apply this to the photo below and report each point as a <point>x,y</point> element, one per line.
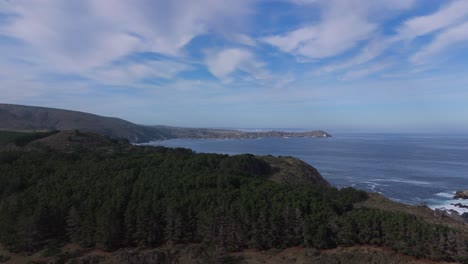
<point>413,169</point>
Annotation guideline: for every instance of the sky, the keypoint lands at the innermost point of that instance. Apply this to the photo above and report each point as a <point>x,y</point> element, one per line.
<point>338,65</point>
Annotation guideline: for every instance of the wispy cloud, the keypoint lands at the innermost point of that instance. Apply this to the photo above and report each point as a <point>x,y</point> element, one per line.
<point>343,26</point>
<point>443,41</point>
<point>371,51</point>
<point>130,72</point>
<point>80,35</point>
<point>365,71</point>
<point>446,22</point>
<point>339,31</point>
<point>452,13</point>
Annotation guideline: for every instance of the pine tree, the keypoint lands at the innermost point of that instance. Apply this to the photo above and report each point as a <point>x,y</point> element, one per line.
<point>74,226</point>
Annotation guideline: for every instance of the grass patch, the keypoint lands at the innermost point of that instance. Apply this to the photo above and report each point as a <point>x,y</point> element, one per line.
<point>22,138</point>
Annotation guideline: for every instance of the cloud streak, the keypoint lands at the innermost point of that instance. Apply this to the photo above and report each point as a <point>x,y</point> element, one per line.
<point>339,31</point>
<point>449,15</point>
<point>445,40</point>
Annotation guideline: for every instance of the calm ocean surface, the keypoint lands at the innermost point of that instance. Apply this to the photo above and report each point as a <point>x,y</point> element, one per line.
<point>406,168</point>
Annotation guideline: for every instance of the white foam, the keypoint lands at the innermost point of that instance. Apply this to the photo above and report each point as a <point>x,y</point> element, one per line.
<point>404,181</point>
<point>372,185</point>
<point>449,206</point>
<point>447,202</point>
<point>445,195</point>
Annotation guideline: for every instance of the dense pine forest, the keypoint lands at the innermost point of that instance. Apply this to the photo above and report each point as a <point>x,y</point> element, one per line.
<point>106,193</point>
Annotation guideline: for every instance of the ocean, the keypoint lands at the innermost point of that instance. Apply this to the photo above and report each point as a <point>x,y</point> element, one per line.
<point>407,168</point>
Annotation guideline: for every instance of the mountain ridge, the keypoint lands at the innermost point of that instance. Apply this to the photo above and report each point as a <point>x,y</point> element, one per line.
<point>19,117</point>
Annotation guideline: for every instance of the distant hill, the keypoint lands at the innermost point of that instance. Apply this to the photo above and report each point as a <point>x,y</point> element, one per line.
<point>32,118</point>
<point>184,132</point>
<point>19,117</point>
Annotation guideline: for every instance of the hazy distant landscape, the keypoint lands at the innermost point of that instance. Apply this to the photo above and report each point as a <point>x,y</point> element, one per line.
<point>28,118</point>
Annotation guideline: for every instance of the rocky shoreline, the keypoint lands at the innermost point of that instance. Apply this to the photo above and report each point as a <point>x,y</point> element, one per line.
<point>454,213</point>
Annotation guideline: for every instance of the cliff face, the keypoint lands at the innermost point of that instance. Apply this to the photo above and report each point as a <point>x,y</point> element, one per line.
<point>293,171</point>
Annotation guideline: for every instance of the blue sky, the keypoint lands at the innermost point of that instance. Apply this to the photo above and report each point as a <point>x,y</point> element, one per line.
<point>354,65</point>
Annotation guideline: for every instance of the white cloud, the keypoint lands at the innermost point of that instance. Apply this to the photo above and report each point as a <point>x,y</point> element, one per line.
<point>449,15</point>
<point>225,62</point>
<point>242,39</point>
<point>22,83</point>
<point>304,2</point>
<point>374,4</point>
<point>330,38</point>
<point>363,72</point>
<point>343,26</point>
<point>128,73</point>
<point>371,51</point>
<point>192,85</point>
<point>450,23</point>
<point>284,81</point>
<point>77,36</point>
<point>97,38</point>
<point>443,41</point>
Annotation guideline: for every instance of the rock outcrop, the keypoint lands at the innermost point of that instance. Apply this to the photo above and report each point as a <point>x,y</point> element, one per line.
<point>461,195</point>
<point>293,171</point>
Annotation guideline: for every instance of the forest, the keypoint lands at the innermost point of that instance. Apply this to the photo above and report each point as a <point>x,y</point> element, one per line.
<point>139,196</point>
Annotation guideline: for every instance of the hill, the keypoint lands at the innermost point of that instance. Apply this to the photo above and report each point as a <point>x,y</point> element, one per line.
<point>18,117</point>
<point>31,118</point>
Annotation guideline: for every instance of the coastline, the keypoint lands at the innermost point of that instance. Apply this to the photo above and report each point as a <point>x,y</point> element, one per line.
<point>448,204</point>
